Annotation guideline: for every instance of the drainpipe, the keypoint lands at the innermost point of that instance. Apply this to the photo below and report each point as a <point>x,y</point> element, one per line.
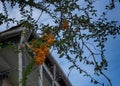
<point>20,56</point>
<point>54,74</point>
<point>40,75</point>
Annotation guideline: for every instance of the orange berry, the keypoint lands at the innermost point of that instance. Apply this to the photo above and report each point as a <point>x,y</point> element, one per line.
<point>65,25</point>
<point>41,54</point>
<point>51,36</point>
<point>36,50</point>
<point>50,41</point>
<point>46,50</point>
<point>39,60</point>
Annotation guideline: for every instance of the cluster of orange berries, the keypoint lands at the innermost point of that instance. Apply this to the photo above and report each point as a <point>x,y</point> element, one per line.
<point>43,49</point>
<point>65,24</point>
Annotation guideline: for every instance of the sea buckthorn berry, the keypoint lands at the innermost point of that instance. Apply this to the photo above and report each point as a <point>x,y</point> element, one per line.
<point>65,25</point>
<point>43,49</point>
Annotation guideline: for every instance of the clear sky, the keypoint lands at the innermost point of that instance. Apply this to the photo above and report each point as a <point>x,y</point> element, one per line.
<point>112,50</point>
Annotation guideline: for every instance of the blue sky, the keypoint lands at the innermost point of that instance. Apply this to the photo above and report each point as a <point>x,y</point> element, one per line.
<point>113,56</point>
<point>112,49</point>
<point>112,53</point>
<point>113,72</point>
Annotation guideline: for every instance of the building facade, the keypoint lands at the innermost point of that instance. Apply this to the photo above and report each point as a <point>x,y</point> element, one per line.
<point>13,62</point>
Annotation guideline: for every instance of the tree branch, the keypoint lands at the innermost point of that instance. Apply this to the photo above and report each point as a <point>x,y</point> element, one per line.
<point>109,81</point>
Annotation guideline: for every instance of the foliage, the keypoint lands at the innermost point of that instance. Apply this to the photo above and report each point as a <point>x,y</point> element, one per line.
<point>73,30</point>
<point>27,71</point>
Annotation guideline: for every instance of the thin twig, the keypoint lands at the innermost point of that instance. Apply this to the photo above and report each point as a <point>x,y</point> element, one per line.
<point>85,72</point>
<point>109,81</point>
<point>39,16</point>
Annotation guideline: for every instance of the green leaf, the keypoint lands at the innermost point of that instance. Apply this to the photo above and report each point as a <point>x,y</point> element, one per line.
<point>61,55</point>
<point>92,80</point>
<point>95,82</point>
<point>27,71</point>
